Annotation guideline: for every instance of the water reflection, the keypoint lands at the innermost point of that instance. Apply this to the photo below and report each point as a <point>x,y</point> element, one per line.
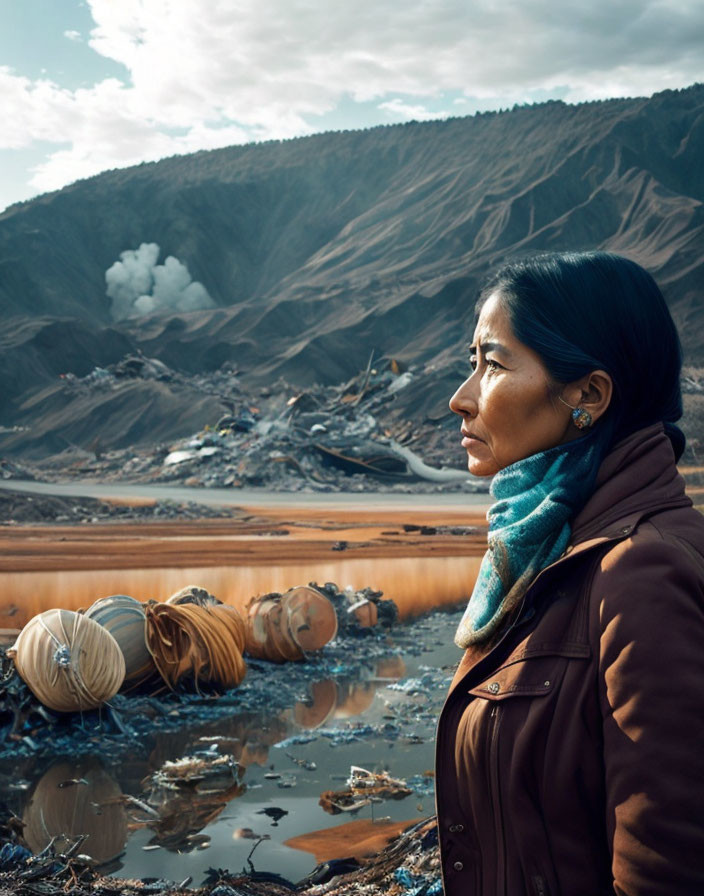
<point>75,800</point>
<point>187,795</point>
<point>186,781</point>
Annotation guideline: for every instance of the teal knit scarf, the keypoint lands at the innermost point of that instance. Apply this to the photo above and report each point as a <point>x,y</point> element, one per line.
<point>529,528</point>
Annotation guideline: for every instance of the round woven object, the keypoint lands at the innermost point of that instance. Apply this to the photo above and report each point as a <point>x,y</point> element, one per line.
<point>279,639</point>
<point>267,634</point>
<point>123,617</point>
<point>68,661</point>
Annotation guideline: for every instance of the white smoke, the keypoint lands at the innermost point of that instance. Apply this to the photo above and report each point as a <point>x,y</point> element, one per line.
<point>138,285</point>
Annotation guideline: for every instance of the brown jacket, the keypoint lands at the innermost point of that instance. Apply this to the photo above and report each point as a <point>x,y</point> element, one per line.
<point>570,755</point>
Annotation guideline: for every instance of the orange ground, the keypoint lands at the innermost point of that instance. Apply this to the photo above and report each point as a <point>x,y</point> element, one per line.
<point>267,549</point>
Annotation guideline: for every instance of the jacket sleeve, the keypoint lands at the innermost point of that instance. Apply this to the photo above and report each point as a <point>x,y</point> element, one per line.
<point>650,598</point>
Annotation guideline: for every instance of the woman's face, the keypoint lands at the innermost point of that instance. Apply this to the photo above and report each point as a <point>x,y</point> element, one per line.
<point>508,405</point>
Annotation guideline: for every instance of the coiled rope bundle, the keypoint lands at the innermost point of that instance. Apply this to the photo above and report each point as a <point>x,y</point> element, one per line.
<point>282,627</point>
<point>204,644</point>
<point>68,661</point>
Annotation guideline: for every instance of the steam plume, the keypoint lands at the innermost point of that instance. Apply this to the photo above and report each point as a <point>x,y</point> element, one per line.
<point>138,285</point>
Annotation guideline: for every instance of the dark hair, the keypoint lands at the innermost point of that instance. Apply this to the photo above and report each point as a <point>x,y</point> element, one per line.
<point>583,311</point>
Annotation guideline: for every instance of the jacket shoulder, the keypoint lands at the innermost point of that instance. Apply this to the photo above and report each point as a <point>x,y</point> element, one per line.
<point>670,536</point>
<point>655,576</point>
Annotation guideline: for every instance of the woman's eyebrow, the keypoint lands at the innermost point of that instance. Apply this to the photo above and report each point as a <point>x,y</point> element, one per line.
<point>490,347</point>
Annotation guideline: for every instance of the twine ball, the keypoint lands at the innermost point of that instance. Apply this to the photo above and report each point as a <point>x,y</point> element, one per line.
<point>123,617</point>
<point>68,661</point>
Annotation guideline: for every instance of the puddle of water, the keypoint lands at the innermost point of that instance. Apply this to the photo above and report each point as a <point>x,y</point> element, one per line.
<point>416,585</point>
<point>283,763</point>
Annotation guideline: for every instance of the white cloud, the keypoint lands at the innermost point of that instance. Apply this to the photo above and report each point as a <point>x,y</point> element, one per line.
<point>73,35</point>
<point>225,71</point>
<point>399,109</point>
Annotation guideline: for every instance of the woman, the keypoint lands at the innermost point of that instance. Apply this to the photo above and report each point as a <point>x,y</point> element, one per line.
<point>570,753</point>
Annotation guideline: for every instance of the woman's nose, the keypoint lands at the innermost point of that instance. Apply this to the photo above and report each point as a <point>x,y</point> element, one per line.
<point>463,401</point>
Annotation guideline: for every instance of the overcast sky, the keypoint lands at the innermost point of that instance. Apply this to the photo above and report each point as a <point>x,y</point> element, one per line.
<point>87,85</point>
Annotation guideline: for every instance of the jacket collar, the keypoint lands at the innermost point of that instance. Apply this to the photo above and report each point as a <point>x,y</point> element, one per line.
<point>637,477</point>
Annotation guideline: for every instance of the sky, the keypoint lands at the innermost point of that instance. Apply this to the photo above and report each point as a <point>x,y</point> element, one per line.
<point>88,85</point>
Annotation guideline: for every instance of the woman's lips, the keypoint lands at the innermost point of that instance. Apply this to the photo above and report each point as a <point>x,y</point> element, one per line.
<point>470,440</point>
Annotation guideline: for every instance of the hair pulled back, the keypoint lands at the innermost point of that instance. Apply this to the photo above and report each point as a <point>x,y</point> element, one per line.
<point>583,311</point>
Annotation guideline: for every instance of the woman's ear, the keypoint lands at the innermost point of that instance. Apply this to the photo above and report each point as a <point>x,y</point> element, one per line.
<point>592,392</point>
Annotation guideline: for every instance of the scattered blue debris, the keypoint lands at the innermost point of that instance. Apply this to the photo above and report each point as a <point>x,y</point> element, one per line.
<point>417,884</point>
<point>295,739</point>
<point>422,785</point>
<point>13,857</point>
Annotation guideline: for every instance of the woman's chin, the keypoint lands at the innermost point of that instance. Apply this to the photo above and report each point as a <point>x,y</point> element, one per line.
<point>481,467</point>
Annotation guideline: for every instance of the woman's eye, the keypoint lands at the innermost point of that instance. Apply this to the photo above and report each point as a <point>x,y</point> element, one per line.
<point>473,362</point>
<point>493,365</point>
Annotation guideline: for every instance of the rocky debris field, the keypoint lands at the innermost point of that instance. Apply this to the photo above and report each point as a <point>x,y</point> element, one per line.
<point>20,507</point>
<point>381,430</point>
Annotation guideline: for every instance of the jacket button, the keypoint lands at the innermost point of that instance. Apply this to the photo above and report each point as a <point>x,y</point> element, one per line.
<point>494,687</point>
<point>458,866</point>
<point>456,828</point>
<point>624,530</point>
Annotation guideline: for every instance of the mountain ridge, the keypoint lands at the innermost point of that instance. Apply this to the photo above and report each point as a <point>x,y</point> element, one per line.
<point>320,249</point>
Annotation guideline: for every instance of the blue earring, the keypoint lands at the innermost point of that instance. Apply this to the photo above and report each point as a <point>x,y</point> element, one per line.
<point>582,419</point>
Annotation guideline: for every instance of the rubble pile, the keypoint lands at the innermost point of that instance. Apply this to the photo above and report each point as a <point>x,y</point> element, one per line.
<point>363,788</point>
<point>13,470</point>
<point>359,610</point>
<point>20,507</point>
<point>365,434</point>
<point>409,866</point>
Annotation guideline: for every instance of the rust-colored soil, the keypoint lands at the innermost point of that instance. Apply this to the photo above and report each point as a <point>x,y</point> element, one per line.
<point>280,535</point>
<point>263,550</point>
<point>355,839</point>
